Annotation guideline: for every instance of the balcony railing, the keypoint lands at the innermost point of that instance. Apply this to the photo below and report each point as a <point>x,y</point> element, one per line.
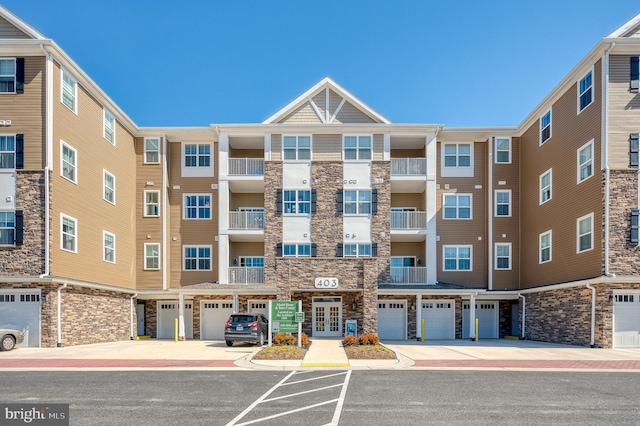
<point>408,275</point>
<point>246,275</point>
<point>408,166</point>
<point>408,220</point>
<point>246,220</point>
<point>246,166</point>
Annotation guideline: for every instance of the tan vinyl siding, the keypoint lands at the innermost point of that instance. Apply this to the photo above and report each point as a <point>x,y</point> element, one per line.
<point>9,31</point>
<point>84,201</point>
<point>350,114</point>
<point>27,112</point>
<point>276,147</point>
<point>465,232</point>
<point>321,100</point>
<point>624,112</point>
<point>304,114</point>
<point>407,249</point>
<point>569,200</point>
<point>334,101</point>
<point>378,147</point>
<point>327,147</point>
<point>245,200</point>
<point>409,200</point>
<point>238,250</point>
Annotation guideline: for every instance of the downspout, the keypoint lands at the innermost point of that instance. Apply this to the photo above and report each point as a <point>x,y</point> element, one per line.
<point>523,313</point>
<point>490,214</point>
<point>49,159</point>
<point>593,315</point>
<point>131,314</point>
<point>605,150</point>
<point>164,212</point>
<point>59,343</point>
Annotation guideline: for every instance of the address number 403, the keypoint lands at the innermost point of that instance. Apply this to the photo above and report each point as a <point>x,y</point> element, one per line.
<point>326,282</point>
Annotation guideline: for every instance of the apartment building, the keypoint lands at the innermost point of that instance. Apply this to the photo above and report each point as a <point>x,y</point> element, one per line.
<point>109,230</point>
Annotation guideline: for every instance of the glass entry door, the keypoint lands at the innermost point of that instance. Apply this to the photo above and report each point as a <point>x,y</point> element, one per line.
<point>327,316</point>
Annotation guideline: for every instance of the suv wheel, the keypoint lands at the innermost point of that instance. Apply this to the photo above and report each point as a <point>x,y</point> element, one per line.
<point>7,343</point>
<point>229,343</point>
<point>261,342</point>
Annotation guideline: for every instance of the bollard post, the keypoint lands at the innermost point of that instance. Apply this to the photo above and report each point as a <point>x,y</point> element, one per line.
<point>422,335</point>
<point>477,329</point>
<point>175,328</point>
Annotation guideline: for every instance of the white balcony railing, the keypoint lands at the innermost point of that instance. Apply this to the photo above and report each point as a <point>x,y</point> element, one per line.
<point>246,166</point>
<point>408,275</point>
<point>246,275</point>
<point>246,220</point>
<point>409,166</point>
<point>408,220</point>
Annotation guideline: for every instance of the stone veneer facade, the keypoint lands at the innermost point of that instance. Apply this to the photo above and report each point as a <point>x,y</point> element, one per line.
<point>623,196</point>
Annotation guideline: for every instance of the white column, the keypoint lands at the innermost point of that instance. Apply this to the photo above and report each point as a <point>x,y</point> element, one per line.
<point>472,317</point>
<point>223,209</point>
<point>431,257</point>
<point>387,147</point>
<point>419,317</point>
<point>223,259</point>
<point>181,333</point>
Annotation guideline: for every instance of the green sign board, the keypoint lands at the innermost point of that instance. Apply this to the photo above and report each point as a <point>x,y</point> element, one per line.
<point>283,317</point>
<point>299,316</point>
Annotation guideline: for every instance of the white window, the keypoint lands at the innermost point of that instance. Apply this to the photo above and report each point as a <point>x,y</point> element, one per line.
<point>7,152</point>
<point>197,206</point>
<point>545,127</point>
<point>252,262</point>
<point>296,147</point>
<point>545,247</point>
<point>456,206</point>
<point>503,150</point>
<point>503,202</point>
<point>197,258</point>
<point>151,256</point>
<point>151,203</point>
<point>7,228</point>
<point>109,247</point>
<point>296,250</point>
<point>585,233</point>
<point>545,186</point>
<point>357,147</point>
<point>457,160</point>
<point>8,75</point>
<point>151,150</point>
<point>68,163</point>
<point>109,127</point>
<point>109,193</point>
<point>357,201</point>
<point>503,256</point>
<point>69,92</point>
<point>197,160</point>
<point>297,201</point>
<point>585,91</point>
<point>68,233</point>
<point>357,250</point>
<point>585,161</point>
<point>456,258</point>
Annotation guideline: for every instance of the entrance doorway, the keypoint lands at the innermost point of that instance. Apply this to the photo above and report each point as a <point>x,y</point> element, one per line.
<point>515,319</point>
<point>327,316</point>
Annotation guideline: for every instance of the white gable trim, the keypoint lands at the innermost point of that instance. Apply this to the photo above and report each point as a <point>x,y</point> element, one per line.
<point>20,24</point>
<point>626,28</point>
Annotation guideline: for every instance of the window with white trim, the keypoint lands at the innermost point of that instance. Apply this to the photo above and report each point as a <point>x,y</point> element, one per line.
<point>151,203</point>
<point>109,247</point>
<point>109,193</point>
<point>584,230</point>
<point>456,206</point>
<point>585,91</point>
<point>196,206</point>
<point>357,147</point>
<point>456,258</point>
<point>545,127</point>
<point>69,92</point>
<point>296,147</point>
<point>296,201</point>
<point>7,152</point>
<point>457,160</point>
<point>357,250</point>
<point>545,247</point>
<point>7,228</point>
<point>503,150</point>
<point>503,202</point>
<point>8,75</point>
<point>151,256</point>
<point>68,233</point>
<point>197,258</point>
<point>357,201</point>
<point>503,256</point>
<point>69,162</point>
<point>109,127</point>
<point>252,262</point>
<point>296,250</point>
<point>545,186</point>
<point>197,155</point>
<point>151,150</point>
<point>585,161</point>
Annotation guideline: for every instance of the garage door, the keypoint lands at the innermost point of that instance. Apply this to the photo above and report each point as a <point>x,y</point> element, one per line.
<point>21,310</point>
<point>626,320</point>
<point>259,307</point>
<point>487,315</point>
<point>392,319</point>
<point>167,313</point>
<point>439,319</point>
<point>214,313</point>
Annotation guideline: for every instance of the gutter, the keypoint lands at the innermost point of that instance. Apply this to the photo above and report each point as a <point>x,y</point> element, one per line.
<point>58,316</point>
<point>131,314</point>
<point>49,160</point>
<point>164,212</point>
<point>593,314</point>
<point>490,253</point>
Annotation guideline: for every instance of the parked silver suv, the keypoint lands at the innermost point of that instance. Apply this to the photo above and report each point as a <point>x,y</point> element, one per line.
<point>252,328</point>
<point>10,338</point>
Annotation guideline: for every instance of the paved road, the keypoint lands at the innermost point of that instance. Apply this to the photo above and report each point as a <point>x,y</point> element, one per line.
<point>326,397</point>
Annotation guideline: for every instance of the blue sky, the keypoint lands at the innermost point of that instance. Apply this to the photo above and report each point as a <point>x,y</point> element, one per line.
<point>196,62</point>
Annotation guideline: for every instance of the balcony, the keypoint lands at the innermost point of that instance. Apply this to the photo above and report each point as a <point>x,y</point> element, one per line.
<point>408,220</point>
<point>246,167</point>
<point>408,167</point>
<point>246,275</point>
<point>408,275</point>
<point>249,220</point>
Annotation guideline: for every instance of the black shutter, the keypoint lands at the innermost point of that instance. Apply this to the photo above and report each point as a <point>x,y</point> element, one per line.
<point>340,252</point>
<point>314,250</point>
<point>634,226</point>
<point>19,75</point>
<point>19,151</point>
<point>633,85</point>
<point>374,201</point>
<point>279,201</point>
<point>374,250</point>
<point>633,150</point>
<point>340,200</point>
<point>279,250</point>
<point>19,235</point>
<point>314,200</point>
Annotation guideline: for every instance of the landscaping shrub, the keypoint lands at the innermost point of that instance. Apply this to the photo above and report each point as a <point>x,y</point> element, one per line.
<point>368,339</point>
<point>349,340</point>
<point>304,339</point>
<point>284,339</point>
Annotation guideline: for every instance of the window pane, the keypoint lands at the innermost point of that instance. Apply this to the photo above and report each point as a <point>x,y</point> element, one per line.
<point>464,161</point>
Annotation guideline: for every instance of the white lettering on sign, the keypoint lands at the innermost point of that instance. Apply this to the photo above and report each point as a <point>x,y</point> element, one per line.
<point>326,283</point>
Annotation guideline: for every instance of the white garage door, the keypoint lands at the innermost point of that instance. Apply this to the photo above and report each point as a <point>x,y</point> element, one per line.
<point>213,315</point>
<point>392,319</point>
<point>439,319</point>
<point>626,320</point>
<point>259,307</point>
<point>487,315</point>
<point>167,313</point>
<point>21,310</point>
